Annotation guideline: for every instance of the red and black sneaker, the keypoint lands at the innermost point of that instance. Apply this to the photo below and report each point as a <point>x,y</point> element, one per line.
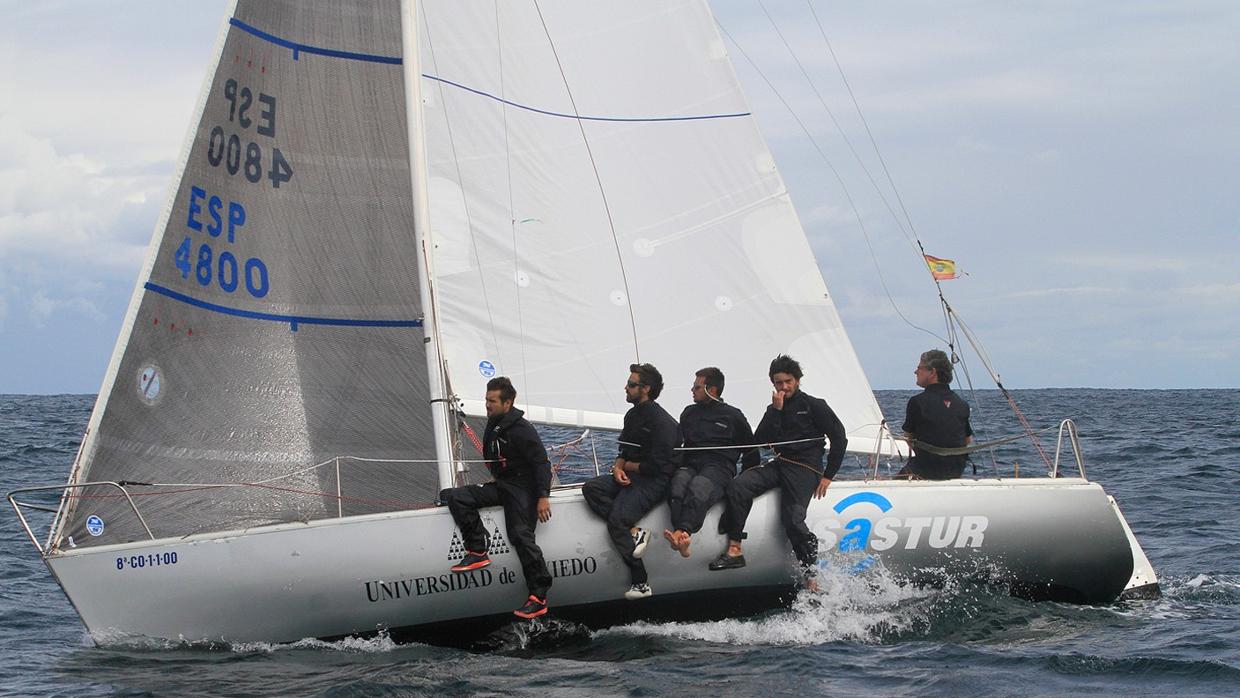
<point>533,608</point>
<point>472,561</point>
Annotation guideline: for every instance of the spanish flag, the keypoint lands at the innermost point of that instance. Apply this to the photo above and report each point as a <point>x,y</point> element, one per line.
<point>942,269</point>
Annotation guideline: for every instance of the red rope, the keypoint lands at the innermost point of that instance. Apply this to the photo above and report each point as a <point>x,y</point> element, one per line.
<point>469,432</point>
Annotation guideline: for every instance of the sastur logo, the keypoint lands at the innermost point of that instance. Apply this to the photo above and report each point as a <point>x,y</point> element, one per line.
<point>866,531</point>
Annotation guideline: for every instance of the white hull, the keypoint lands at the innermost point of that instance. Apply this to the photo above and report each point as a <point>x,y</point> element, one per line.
<point>1047,538</point>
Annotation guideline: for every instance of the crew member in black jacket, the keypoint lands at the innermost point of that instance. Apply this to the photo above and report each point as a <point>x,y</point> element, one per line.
<point>713,432</point>
<point>936,417</point>
<point>796,469</point>
<point>640,475</point>
<point>518,461</point>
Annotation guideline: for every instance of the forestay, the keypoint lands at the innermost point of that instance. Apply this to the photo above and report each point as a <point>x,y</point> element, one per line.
<point>278,321</point>
<point>600,194</point>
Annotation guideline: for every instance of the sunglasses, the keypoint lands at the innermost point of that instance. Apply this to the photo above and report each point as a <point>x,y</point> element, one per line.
<point>631,384</point>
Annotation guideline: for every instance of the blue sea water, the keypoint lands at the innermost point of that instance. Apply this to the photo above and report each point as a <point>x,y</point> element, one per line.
<point>1169,457</point>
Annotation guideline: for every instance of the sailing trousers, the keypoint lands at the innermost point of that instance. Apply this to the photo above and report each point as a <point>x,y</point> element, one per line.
<point>694,492</point>
<point>622,507</point>
<point>520,504</point>
<point>796,485</point>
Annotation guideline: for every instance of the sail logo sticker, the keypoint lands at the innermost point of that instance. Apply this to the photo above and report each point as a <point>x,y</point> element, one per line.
<point>150,381</point>
<point>486,368</point>
<point>94,525</point>
<point>910,533</point>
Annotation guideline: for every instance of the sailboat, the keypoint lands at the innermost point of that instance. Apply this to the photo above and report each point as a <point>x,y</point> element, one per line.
<point>382,205</point>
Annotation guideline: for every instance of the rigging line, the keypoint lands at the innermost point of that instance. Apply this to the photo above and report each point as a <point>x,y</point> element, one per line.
<point>512,216</point>
<point>915,238</point>
<point>866,124</point>
<point>460,178</point>
<point>968,449</point>
<point>1020,416</point>
<point>764,444</point>
<point>948,314</point>
<point>856,212</point>
<point>956,358</point>
<point>628,297</point>
<point>838,127</point>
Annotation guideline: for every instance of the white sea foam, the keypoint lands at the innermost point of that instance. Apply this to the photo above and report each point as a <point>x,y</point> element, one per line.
<point>856,607</point>
<point>372,645</point>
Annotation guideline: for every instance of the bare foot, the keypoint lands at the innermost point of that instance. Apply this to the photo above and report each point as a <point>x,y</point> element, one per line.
<point>671,539</point>
<point>683,539</point>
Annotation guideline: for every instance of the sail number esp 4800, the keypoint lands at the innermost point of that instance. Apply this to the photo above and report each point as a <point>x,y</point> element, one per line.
<point>210,213</point>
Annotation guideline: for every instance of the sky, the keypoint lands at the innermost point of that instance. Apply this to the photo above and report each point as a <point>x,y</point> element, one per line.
<point>1079,161</point>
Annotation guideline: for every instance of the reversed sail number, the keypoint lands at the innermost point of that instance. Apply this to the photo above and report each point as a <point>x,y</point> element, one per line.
<point>246,157</point>
<point>227,150</point>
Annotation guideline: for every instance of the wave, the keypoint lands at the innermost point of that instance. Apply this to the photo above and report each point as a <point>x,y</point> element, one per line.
<point>376,644</point>
<point>864,607</point>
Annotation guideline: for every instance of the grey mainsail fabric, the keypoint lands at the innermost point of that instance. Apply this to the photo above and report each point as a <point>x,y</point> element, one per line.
<point>279,324</point>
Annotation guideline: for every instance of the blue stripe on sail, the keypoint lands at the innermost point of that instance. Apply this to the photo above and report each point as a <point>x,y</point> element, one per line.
<point>292,320</point>
<point>305,48</point>
<point>395,60</point>
<point>701,117</point>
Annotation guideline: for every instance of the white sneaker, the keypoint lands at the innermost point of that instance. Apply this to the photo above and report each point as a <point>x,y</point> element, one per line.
<point>638,591</point>
<point>640,539</point>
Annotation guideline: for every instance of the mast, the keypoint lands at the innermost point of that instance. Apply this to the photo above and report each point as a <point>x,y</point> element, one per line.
<point>411,65</point>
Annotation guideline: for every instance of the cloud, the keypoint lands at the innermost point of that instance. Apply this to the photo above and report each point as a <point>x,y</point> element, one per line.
<point>68,211</point>
<point>1059,292</point>
<point>1123,262</point>
<point>42,308</point>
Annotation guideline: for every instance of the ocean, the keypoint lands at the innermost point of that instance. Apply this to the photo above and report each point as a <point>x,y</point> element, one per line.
<point>1170,457</point>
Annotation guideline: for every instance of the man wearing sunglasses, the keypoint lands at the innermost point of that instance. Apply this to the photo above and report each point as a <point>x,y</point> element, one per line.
<point>713,432</point>
<point>640,475</point>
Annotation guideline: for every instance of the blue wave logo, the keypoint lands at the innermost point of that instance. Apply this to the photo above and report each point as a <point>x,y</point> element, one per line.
<point>859,529</point>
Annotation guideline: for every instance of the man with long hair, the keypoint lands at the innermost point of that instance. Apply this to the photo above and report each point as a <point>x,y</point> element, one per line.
<point>795,423</point>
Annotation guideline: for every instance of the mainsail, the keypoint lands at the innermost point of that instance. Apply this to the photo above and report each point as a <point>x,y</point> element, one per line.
<point>597,193</point>
<point>601,195</point>
<point>277,323</point>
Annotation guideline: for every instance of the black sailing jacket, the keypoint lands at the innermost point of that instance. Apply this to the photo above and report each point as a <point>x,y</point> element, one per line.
<point>513,449</point>
<point>804,417</point>
<point>650,437</point>
<point>714,423</point>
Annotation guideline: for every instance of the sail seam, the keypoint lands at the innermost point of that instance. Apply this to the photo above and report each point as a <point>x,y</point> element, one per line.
<point>292,320</point>
<point>296,48</point>
<point>546,112</point>
<point>306,48</point>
